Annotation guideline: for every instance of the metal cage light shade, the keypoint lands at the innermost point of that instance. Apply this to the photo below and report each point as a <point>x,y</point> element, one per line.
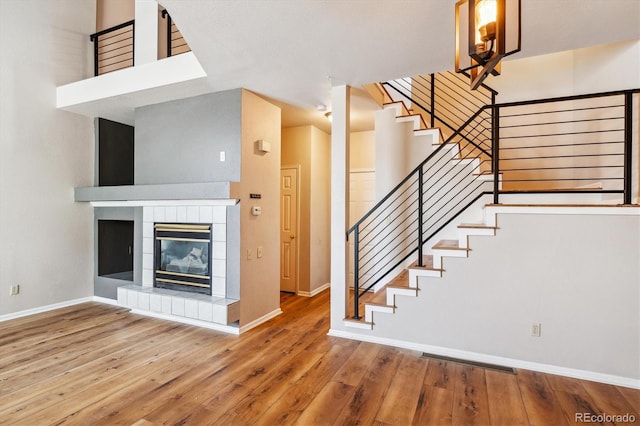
<point>486,32</point>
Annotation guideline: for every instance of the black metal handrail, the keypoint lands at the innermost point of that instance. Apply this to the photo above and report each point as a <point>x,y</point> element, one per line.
<point>176,44</point>
<point>438,189</point>
<point>113,48</point>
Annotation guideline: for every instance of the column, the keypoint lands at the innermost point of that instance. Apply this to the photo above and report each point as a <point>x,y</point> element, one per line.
<point>145,47</point>
<point>340,129</point>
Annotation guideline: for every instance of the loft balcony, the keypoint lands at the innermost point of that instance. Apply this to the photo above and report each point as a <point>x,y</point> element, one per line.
<point>138,62</point>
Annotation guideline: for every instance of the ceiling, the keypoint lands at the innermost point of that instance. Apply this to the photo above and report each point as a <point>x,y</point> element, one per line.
<point>294,51</point>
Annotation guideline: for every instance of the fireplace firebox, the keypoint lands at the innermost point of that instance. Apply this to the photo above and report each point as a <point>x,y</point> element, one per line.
<point>183,257</point>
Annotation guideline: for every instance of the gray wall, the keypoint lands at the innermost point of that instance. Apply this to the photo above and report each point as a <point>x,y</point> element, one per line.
<point>180,141</point>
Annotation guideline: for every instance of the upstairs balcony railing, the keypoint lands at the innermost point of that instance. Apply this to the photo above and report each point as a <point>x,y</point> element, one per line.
<point>113,48</point>
<point>176,44</point>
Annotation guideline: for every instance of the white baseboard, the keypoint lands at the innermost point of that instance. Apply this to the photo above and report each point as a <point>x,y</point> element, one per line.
<point>105,300</point>
<point>38,310</point>
<point>260,320</point>
<point>315,291</point>
<point>491,359</point>
<point>184,320</point>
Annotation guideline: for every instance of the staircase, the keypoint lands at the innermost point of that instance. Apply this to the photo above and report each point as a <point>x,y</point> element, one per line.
<point>430,209</point>
<point>406,283</point>
<point>457,162</point>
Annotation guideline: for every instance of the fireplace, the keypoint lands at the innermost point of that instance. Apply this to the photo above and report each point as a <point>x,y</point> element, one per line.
<point>183,257</point>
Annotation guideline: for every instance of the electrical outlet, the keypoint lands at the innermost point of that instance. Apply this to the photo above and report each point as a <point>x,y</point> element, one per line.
<point>249,254</point>
<point>259,252</point>
<point>535,329</point>
<point>14,290</point>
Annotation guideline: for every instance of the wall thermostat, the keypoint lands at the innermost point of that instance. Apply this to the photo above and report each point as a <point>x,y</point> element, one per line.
<point>256,210</point>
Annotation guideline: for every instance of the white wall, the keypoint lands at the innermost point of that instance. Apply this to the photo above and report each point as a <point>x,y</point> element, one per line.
<point>46,240</point>
<point>363,151</point>
<point>390,151</point>
<point>589,70</point>
<point>320,238</point>
<point>577,275</point>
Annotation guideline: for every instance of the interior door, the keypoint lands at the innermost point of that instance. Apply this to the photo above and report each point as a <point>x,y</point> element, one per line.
<point>289,230</point>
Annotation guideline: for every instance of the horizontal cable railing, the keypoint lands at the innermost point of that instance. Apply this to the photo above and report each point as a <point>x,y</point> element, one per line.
<point>570,145</point>
<point>574,143</point>
<point>113,48</point>
<point>176,44</point>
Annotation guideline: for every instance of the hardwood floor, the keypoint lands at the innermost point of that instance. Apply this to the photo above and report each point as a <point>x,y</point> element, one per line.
<point>95,364</point>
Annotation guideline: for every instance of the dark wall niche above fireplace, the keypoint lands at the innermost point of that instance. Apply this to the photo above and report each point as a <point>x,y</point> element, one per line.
<point>115,153</point>
<point>183,257</point>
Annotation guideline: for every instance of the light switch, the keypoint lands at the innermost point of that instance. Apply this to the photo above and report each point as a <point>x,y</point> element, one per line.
<point>223,156</point>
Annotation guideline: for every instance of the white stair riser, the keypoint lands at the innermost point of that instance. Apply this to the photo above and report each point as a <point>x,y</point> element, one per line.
<point>415,119</point>
<point>397,106</point>
<point>464,233</point>
<point>490,217</point>
<point>415,273</point>
<point>358,324</point>
<point>393,292</point>
<point>439,254</point>
<point>370,309</point>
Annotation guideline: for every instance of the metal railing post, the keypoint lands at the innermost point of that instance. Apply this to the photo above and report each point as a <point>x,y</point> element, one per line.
<point>628,145</point>
<point>169,36</point>
<point>95,54</point>
<point>133,44</point>
<point>433,100</point>
<point>495,152</point>
<point>420,214</point>
<point>356,273</point>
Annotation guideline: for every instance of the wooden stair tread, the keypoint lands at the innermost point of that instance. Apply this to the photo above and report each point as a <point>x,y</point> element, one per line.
<point>449,245</point>
<point>427,263</point>
<point>361,320</point>
<point>404,107</point>
<point>383,305</point>
<point>380,298</point>
<point>476,226</point>
<point>403,287</point>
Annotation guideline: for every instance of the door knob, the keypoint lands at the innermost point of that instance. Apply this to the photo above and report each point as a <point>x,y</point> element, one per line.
<point>292,236</point>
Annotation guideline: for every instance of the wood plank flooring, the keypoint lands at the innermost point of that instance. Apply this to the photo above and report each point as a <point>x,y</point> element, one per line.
<point>95,364</point>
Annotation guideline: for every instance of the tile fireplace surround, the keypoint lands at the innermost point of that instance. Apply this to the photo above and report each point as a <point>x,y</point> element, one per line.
<point>176,203</point>
<point>215,311</point>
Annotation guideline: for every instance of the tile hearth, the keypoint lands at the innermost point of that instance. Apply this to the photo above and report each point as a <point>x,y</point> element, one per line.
<point>173,303</point>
